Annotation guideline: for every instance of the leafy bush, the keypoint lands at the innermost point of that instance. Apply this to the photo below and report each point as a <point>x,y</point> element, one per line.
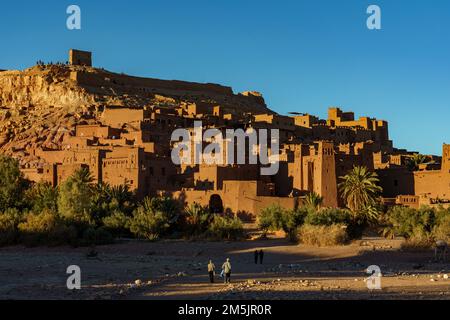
<point>328,217</point>
<point>274,218</point>
<point>148,223</point>
<point>117,223</point>
<point>225,228</point>
<point>420,227</point>
<point>9,220</point>
<point>323,235</point>
<point>405,222</point>
<point>36,229</point>
<point>46,228</point>
<point>441,230</point>
<point>292,219</point>
<point>418,240</point>
<point>100,236</point>
<point>270,219</point>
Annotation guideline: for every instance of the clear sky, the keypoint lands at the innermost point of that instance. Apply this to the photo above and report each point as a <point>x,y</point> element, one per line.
<point>302,55</point>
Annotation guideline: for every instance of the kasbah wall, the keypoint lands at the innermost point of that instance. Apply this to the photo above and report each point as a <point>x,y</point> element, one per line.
<point>132,146</point>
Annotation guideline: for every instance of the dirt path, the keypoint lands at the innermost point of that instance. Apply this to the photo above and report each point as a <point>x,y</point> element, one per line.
<point>176,270</point>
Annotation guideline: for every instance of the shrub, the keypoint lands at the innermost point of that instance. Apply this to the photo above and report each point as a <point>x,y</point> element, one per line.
<point>291,220</point>
<point>148,224</point>
<point>323,235</point>
<point>418,240</point>
<point>100,236</point>
<point>405,222</point>
<point>117,223</point>
<point>441,230</point>
<point>275,218</point>
<point>46,228</point>
<point>9,220</point>
<point>328,217</point>
<point>35,230</point>
<point>270,218</point>
<point>64,234</point>
<point>225,228</point>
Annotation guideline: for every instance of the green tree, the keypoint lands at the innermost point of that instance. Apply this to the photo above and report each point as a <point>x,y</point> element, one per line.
<point>359,189</point>
<point>75,197</point>
<point>12,184</point>
<point>42,196</point>
<point>416,160</point>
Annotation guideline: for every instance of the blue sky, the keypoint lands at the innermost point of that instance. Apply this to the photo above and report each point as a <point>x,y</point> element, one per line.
<point>302,55</point>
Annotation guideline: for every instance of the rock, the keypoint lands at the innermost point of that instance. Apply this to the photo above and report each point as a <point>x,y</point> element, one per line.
<point>138,282</point>
<point>445,276</point>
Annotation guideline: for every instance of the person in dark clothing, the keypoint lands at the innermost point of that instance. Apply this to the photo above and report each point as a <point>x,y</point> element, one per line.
<point>261,256</point>
<point>256,256</point>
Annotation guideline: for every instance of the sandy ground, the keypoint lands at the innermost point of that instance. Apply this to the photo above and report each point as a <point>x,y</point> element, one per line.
<point>176,270</point>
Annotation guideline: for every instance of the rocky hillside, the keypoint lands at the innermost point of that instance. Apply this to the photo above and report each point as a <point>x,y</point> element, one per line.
<point>42,104</point>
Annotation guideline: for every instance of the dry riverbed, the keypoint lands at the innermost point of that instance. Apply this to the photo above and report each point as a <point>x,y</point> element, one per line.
<point>176,270</point>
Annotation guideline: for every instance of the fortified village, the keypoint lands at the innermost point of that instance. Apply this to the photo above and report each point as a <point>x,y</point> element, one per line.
<point>57,118</point>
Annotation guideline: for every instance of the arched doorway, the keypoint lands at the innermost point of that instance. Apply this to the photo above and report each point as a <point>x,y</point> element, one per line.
<point>215,204</point>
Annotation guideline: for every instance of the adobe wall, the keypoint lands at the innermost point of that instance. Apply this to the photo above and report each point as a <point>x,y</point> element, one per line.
<point>433,184</point>
<point>117,117</point>
<point>146,84</point>
<point>396,181</point>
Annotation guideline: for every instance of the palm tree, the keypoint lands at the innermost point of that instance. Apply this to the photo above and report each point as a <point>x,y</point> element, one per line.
<point>416,160</point>
<point>359,189</point>
<point>121,193</point>
<point>313,200</point>
<point>197,218</point>
<point>82,175</point>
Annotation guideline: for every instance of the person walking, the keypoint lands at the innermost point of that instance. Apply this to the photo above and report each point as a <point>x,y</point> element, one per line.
<point>211,270</point>
<point>256,256</point>
<point>261,256</point>
<point>226,268</point>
